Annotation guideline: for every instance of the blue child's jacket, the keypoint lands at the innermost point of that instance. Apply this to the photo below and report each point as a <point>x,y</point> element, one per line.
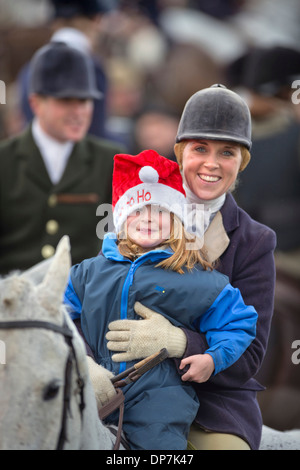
<point>105,288</point>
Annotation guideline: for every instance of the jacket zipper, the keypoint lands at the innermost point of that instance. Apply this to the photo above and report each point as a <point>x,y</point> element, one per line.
<point>125,294</point>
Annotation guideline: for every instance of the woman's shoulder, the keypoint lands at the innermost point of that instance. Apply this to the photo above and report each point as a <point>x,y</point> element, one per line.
<point>238,223</point>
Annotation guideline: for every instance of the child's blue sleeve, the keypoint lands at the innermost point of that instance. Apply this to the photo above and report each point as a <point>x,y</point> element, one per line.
<point>229,326</point>
<point>72,301</point>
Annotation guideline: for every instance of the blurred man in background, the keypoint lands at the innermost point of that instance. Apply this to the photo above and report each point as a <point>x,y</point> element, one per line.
<point>77,24</point>
<point>53,176</point>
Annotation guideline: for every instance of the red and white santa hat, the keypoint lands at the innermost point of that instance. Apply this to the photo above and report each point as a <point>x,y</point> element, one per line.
<point>146,178</point>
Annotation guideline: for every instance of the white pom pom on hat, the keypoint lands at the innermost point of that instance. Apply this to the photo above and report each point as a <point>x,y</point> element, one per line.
<point>148,174</point>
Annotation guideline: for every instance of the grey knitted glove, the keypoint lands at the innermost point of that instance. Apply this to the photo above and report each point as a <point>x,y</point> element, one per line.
<point>101,382</point>
<point>137,339</point>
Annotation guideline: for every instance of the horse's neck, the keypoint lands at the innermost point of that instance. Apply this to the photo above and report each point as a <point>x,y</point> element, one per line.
<point>94,436</point>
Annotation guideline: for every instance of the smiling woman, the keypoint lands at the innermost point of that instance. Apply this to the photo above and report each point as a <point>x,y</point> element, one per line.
<point>212,147</point>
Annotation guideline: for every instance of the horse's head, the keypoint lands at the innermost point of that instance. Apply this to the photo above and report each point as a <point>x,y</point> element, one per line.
<point>34,362</point>
<point>37,292</point>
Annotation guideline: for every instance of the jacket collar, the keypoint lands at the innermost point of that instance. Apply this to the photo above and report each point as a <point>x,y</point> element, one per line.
<point>75,170</point>
<point>35,169</point>
<point>225,221</point>
<point>230,213</point>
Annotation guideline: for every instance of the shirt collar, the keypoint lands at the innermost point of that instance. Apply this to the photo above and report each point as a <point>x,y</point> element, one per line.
<point>73,38</point>
<point>55,154</point>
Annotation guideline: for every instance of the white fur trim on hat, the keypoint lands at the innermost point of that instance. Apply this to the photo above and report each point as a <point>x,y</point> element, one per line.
<point>147,193</point>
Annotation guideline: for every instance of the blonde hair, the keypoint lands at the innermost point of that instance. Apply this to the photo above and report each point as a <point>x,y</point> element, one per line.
<point>179,147</point>
<point>181,258</point>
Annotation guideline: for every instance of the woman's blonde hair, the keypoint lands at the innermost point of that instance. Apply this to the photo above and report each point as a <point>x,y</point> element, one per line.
<point>183,257</point>
<point>179,147</point>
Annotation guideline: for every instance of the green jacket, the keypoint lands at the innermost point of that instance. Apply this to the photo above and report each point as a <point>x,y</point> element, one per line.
<point>35,214</point>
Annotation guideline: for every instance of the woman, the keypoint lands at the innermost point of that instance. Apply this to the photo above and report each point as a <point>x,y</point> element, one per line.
<point>212,146</point>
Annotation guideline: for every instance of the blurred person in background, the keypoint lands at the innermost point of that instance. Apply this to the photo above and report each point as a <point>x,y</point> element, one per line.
<point>77,23</point>
<point>54,176</point>
<point>155,126</point>
<point>269,189</point>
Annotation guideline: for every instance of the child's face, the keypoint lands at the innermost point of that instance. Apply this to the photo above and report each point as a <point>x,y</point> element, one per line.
<point>149,226</point>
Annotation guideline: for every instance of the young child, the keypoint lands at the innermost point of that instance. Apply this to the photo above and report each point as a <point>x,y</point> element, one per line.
<point>147,261</point>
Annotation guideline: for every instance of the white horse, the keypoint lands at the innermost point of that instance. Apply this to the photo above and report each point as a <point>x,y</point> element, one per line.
<point>44,379</point>
<point>43,385</point>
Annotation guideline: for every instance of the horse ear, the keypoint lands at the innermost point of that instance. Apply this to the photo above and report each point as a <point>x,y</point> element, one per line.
<point>52,288</point>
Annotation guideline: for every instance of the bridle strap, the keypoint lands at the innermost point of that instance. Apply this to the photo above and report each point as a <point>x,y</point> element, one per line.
<point>116,402</point>
<point>20,324</point>
<point>66,403</point>
<point>68,335</point>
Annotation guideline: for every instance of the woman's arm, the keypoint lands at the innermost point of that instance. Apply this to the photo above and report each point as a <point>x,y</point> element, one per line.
<point>254,276</point>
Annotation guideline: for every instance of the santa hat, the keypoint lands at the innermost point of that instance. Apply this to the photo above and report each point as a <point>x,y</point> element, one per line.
<point>146,178</point>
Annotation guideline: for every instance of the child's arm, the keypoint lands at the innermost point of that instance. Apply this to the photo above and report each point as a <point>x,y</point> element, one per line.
<point>201,367</point>
<point>71,301</point>
<point>74,307</point>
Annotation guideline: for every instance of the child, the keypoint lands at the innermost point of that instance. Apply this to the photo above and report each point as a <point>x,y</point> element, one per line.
<point>147,261</point>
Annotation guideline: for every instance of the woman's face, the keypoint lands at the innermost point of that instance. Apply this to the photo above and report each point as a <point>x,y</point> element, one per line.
<point>149,226</point>
<point>210,167</point>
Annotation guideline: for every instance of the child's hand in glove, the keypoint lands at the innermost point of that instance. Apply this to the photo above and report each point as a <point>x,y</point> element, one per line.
<point>136,339</point>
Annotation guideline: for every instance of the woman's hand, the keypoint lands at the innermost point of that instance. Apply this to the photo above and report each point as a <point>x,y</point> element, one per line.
<point>200,370</point>
<point>136,339</point>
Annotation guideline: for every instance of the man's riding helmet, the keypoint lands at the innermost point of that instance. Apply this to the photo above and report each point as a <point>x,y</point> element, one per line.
<point>60,71</point>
